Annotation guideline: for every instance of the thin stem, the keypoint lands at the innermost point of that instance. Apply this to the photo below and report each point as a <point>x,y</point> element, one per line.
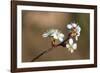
<point>42,54</point>
<point>47,50</point>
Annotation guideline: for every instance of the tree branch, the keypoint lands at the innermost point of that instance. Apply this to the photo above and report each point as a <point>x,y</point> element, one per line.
<point>42,54</point>
<point>47,50</point>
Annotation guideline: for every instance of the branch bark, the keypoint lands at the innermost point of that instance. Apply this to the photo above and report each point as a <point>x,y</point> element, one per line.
<point>47,50</point>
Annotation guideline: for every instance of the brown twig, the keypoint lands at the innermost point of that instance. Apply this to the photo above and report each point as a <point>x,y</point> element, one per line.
<point>42,54</point>
<point>47,50</point>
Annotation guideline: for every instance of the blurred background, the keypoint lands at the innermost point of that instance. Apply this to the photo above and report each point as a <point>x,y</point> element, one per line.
<point>35,23</point>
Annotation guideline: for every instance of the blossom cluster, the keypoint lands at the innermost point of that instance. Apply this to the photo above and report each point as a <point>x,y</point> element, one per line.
<point>55,34</point>
<point>73,35</point>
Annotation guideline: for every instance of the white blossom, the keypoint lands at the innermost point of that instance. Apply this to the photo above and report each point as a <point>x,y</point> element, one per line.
<point>71,45</point>
<point>56,34</point>
<point>74,25</point>
<point>77,29</point>
<point>69,26</point>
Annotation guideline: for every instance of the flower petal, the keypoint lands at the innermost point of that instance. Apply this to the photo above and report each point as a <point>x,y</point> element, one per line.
<point>78,28</point>
<point>78,33</point>
<point>67,46</point>
<point>61,39</point>
<point>70,41</point>
<point>76,38</point>
<point>53,31</point>
<point>69,26</point>
<point>61,35</point>
<point>45,35</point>
<point>74,24</point>
<point>71,50</point>
<point>74,46</point>
<point>54,36</point>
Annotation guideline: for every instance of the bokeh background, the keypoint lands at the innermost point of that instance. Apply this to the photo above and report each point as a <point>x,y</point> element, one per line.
<point>35,23</point>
